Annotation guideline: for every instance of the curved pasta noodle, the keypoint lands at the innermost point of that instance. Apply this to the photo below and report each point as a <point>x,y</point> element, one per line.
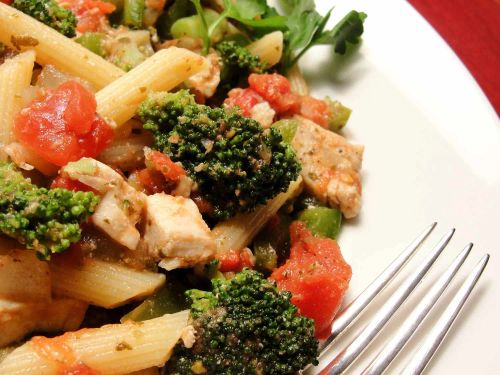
<point>297,81</point>
<point>167,68</point>
<point>15,77</point>
<point>112,349</point>
<point>237,232</point>
<point>20,31</point>
<point>269,48</point>
<point>102,283</point>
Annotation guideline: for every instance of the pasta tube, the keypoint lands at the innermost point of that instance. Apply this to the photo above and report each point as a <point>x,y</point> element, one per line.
<point>20,31</point>
<point>297,81</point>
<point>167,68</point>
<point>102,283</point>
<point>112,349</point>
<point>269,48</point>
<point>237,232</point>
<point>15,77</point>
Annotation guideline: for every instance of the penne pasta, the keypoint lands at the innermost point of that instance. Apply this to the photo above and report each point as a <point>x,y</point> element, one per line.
<point>20,31</point>
<point>269,48</point>
<point>102,283</point>
<point>237,232</point>
<point>167,68</point>
<point>112,349</point>
<point>15,77</point>
<point>297,81</point>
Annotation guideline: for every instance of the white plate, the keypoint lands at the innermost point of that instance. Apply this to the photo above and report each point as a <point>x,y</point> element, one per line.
<point>432,154</point>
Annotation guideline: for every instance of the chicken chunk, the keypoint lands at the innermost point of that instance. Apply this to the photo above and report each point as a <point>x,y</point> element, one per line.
<point>121,205</point>
<point>176,233</point>
<point>206,81</point>
<point>263,113</point>
<point>118,213</point>
<point>330,166</point>
<point>20,319</point>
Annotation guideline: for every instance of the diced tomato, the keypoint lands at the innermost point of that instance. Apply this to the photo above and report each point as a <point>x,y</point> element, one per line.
<point>276,89</point>
<point>317,276</point>
<point>8,2</point>
<point>204,206</point>
<point>163,164</point>
<point>62,125</point>
<point>152,181</point>
<point>314,109</point>
<point>69,184</point>
<point>246,99</point>
<point>80,369</point>
<point>235,260</point>
<point>89,13</point>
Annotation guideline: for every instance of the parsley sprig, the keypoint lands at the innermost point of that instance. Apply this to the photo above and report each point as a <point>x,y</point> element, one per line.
<point>301,24</point>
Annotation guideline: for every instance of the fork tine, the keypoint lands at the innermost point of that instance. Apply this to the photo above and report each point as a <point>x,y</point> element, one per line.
<point>347,316</point>
<point>342,361</point>
<point>411,324</point>
<point>424,354</point>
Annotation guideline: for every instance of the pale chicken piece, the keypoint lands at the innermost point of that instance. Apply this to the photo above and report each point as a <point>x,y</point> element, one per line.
<point>118,213</point>
<point>93,173</point>
<point>176,233</point>
<point>330,166</point>
<point>206,81</point>
<point>263,114</point>
<point>20,319</point>
<point>121,205</point>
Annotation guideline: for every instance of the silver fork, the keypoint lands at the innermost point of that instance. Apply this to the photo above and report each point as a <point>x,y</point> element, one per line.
<point>431,343</point>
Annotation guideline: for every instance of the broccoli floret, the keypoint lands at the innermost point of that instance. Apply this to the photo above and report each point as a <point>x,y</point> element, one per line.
<point>44,220</point>
<point>245,326</point>
<point>237,64</point>
<point>236,164</point>
<point>50,13</point>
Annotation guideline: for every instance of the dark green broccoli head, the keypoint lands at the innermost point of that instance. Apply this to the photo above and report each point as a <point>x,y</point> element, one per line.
<point>237,64</point>
<point>236,164</point>
<point>246,326</point>
<point>45,220</point>
<point>50,13</point>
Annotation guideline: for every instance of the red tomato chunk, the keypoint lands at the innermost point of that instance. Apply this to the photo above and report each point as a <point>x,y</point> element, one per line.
<point>163,164</point>
<point>317,276</point>
<point>246,99</point>
<point>235,261</point>
<point>276,90</point>
<point>63,126</point>
<point>90,14</point>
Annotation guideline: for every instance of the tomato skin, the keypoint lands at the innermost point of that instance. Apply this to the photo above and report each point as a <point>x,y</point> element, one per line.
<point>80,369</point>
<point>69,184</point>
<point>89,13</point>
<point>163,164</point>
<point>234,261</point>
<point>315,110</point>
<point>152,181</point>
<point>62,125</point>
<point>316,275</point>
<point>276,89</point>
<point>246,99</point>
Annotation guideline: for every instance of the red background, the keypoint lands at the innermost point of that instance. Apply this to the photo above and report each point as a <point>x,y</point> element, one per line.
<point>472,29</point>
